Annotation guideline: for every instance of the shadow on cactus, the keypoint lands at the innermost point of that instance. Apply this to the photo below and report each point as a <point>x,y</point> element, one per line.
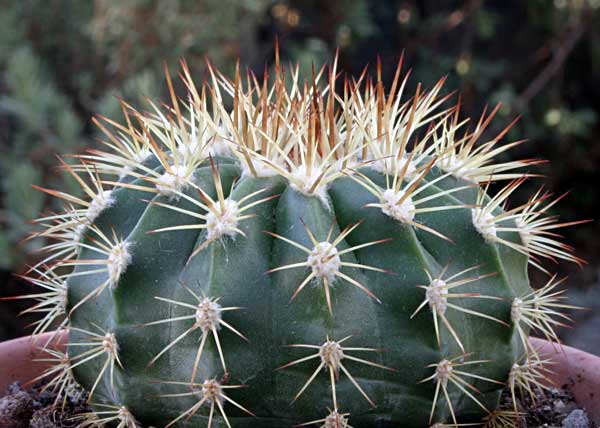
<point>321,254</point>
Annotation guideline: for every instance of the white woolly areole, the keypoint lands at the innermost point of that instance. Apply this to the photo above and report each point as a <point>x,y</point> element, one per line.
<point>261,168</point>
<point>98,204</point>
<point>212,391</point>
<point>515,372</point>
<point>208,315</point>
<point>141,155</point>
<point>62,296</point>
<point>220,142</point>
<point>455,166</point>
<point>524,231</point>
<point>392,165</point>
<point>516,310</point>
<point>172,181</point>
<point>109,344</point>
<point>126,416</point>
<point>77,233</point>
<point>196,149</point>
<point>118,260</point>
<point>331,354</point>
<point>190,149</point>
<point>304,182</point>
<point>344,164</point>
<point>138,158</point>
<point>484,222</point>
<point>324,261</point>
<point>437,296</point>
<point>223,222</point>
<point>335,420</point>
<point>443,371</point>
<point>218,147</point>
<point>391,205</point>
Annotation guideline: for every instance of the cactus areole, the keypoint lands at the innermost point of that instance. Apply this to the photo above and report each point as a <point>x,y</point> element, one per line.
<point>324,254</point>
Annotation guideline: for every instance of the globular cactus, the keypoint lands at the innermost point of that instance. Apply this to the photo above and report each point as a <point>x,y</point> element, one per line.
<point>317,254</point>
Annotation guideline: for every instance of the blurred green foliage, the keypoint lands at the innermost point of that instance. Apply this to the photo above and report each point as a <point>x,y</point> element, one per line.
<point>62,61</point>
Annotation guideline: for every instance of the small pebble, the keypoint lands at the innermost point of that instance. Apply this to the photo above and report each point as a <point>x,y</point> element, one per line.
<point>576,419</point>
<point>560,406</point>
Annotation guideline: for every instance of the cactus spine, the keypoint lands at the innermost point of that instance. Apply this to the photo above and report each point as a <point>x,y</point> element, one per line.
<point>310,256</point>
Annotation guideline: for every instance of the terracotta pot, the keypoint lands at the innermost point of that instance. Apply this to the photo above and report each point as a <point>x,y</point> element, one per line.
<point>578,370</point>
<point>18,358</point>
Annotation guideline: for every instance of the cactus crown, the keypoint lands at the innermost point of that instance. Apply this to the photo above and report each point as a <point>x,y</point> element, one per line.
<point>317,254</point>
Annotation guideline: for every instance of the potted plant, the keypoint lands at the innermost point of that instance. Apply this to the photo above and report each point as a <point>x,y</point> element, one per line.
<point>324,253</point>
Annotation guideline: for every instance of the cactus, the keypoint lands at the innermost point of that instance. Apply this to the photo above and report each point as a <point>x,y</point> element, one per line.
<point>317,255</point>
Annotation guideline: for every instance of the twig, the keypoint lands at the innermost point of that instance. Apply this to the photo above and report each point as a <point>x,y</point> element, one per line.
<point>560,55</point>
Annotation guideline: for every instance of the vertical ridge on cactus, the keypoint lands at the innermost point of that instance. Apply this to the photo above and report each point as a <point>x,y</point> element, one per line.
<point>332,217</point>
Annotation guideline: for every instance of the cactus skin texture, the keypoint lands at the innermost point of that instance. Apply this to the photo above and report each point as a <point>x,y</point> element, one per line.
<point>306,257</point>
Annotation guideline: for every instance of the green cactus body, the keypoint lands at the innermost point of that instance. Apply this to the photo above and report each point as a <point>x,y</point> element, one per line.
<point>257,279</point>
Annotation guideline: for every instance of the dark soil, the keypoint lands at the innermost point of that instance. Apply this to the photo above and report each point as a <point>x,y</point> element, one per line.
<point>37,409</point>
<point>555,408</point>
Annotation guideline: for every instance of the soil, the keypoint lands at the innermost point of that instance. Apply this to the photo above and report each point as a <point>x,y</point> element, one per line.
<point>35,408</point>
<point>551,408</point>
